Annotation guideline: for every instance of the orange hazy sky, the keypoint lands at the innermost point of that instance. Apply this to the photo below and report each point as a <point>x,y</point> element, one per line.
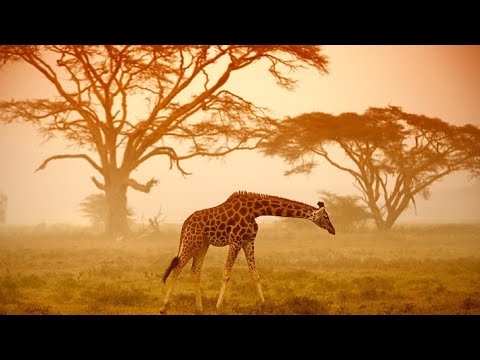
<point>442,81</point>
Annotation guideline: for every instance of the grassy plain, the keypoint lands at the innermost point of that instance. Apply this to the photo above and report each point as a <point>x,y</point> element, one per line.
<point>304,270</point>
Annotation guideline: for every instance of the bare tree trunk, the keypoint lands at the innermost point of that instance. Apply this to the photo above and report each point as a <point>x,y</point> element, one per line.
<point>381,224</point>
<point>393,215</point>
<point>116,195</point>
<point>387,223</point>
<point>376,213</point>
<point>391,218</point>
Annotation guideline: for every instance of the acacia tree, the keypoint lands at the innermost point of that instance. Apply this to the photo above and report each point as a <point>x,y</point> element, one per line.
<point>392,155</point>
<point>97,86</point>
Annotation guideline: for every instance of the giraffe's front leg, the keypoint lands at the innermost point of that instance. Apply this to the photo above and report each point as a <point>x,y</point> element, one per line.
<point>249,250</point>
<point>232,255</point>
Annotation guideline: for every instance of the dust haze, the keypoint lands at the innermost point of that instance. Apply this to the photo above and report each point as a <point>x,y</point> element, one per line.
<point>416,269</point>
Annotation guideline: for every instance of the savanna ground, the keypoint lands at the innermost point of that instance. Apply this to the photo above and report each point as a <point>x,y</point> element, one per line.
<point>304,270</point>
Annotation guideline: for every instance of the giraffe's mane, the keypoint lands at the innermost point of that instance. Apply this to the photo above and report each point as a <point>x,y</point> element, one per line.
<point>266,196</point>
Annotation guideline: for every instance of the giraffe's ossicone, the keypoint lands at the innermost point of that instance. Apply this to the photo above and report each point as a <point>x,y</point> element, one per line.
<point>233,223</point>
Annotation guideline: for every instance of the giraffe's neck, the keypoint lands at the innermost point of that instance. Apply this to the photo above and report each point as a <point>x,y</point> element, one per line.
<point>275,206</point>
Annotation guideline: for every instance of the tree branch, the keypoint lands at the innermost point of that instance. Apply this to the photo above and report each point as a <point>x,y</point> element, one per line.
<point>338,166</point>
<point>71,156</point>
<point>98,184</point>
<point>142,187</point>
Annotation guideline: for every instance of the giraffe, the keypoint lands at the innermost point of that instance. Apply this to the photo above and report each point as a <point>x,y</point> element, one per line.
<point>233,223</point>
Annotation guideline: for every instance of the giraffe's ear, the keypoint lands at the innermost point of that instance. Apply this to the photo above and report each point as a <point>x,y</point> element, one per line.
<point>320,204</point>
<point>320,211</point>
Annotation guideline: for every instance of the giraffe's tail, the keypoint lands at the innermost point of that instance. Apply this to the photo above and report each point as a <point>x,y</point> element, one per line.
<point>172,266</point>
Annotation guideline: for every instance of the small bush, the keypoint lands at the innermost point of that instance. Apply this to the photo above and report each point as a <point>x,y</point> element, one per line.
<point>303,305</point>
<point>9,290</point>
<point>31,281</point>
<point>114,295</point>
<point>35,309</point>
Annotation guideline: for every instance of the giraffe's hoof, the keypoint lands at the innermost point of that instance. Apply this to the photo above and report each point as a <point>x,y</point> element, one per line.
<point>199,311</point>
<point>163,311</point>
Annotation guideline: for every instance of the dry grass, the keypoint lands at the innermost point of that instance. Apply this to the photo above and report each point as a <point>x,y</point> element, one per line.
<point>413,270</point>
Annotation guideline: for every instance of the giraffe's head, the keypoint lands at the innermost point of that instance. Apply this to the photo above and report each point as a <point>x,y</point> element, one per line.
<point>320,217</point>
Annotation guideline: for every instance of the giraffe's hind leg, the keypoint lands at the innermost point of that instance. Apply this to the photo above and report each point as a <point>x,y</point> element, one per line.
<point>249,250</point>
<point>196,272</point>
<point>184,258</point>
